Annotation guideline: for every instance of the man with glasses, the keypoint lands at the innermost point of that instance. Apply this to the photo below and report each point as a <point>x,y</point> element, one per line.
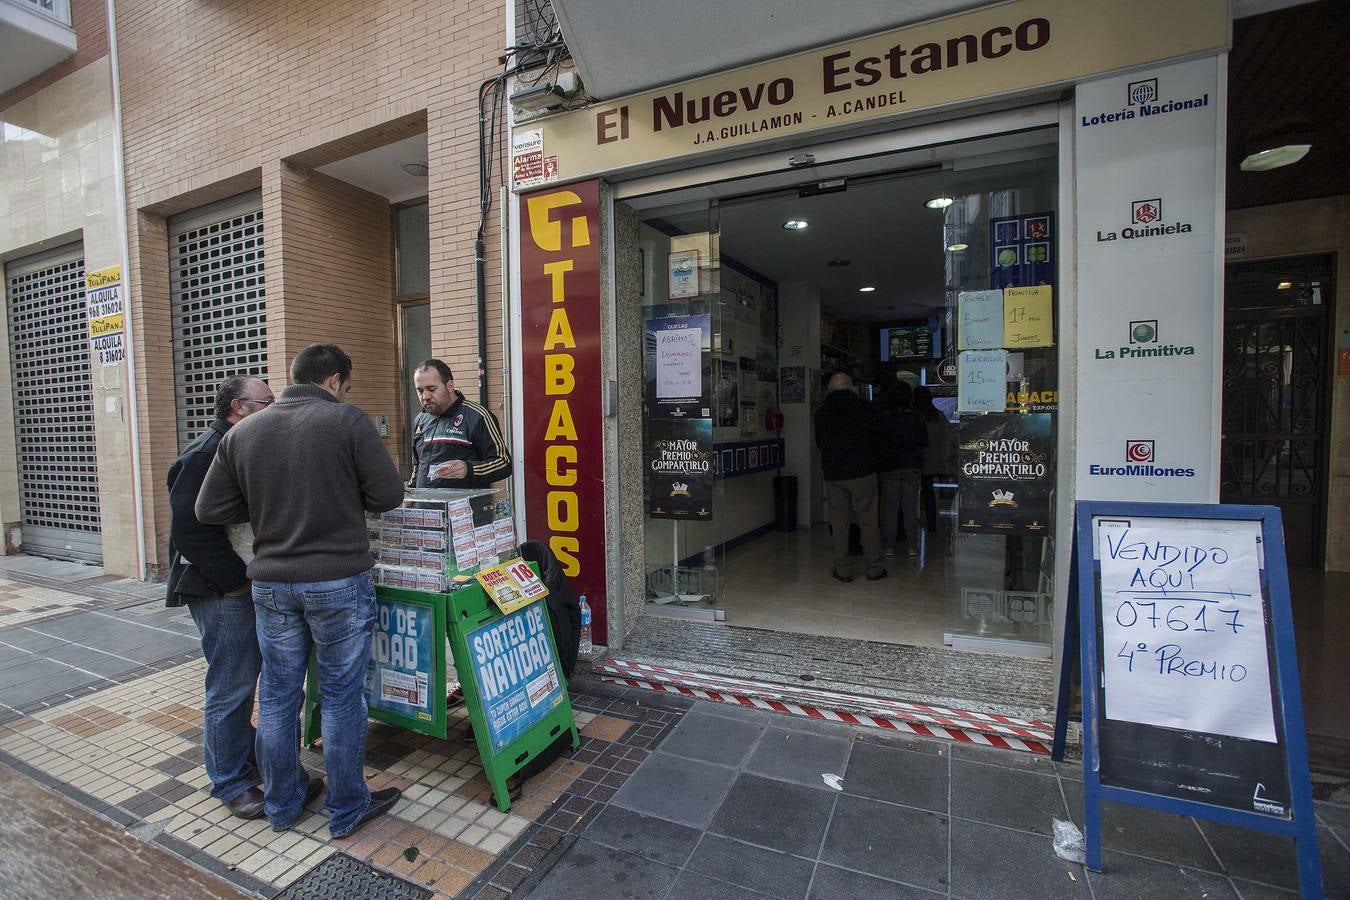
<point>304,476</point>
<point>207,575</point>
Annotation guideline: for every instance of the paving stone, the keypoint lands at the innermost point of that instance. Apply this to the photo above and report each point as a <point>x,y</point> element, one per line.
<point>1008,759</point>
<point>1270,859</point>
<point>693,886</point>
<point>1022,800</point>
<point>897,776</point>
<point>607,874</point>
<point>799,757</point>
<point>889,841</point>
<point>713,739</point>
<point>655,839</point>
<point>730,711</point>
<point>680,790</point>
<point>1251,890</point>
<point>1125,877</point>
<point>768,871</point>
<point>831,884</point>
<point>988,861</point>
<point>775,814</point>
<point>1147,832</point>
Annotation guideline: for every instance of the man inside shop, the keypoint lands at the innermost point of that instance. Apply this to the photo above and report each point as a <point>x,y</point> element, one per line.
<point>456,443</point>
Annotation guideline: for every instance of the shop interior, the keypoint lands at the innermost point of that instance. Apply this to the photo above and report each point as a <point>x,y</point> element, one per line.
<point>873,269</point>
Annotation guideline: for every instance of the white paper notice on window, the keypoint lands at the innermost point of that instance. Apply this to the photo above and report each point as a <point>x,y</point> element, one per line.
<point>679,360</point>
<point>1183,630</point>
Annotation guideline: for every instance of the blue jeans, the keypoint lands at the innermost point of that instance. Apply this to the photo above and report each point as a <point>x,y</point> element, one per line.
<point>335,620</point>
<point>230,645</point>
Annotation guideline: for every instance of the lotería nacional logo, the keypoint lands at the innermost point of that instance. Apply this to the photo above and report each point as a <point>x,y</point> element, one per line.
<point>1145,222</point>
<point>1143,343</point>
<point>1139,458</point>
<point>1139,93</point>
<point>1143,100</point>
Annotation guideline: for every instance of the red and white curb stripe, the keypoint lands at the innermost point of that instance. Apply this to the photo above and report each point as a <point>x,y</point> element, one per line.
<point>1006,727</point>
<point>963,735</point>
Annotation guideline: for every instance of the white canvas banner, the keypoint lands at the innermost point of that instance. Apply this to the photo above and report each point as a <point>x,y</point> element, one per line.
<point>1146,157</point>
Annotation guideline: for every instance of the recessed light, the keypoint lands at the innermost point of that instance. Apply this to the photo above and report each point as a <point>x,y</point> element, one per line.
<point>867,288</point>
<point>416,169</point>
<point>956,248</point>
<point>939,202</point>
<point>839,262</point>
<point>1284,285</point>
<point>1267,158</point>
<point>795,224</point>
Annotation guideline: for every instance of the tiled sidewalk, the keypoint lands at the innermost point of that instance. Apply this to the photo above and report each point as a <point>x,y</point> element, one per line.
<point>132,752</point>
<point>733,804</point>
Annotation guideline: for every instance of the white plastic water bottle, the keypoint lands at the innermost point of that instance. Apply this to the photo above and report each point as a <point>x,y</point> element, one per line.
<point>587,647</point>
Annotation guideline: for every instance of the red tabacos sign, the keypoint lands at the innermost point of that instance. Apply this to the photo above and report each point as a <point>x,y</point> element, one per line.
<point>560,358</point>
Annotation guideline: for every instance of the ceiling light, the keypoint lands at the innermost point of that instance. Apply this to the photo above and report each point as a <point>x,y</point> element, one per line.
<point>795,224</point>
<point>1274,154</point>
<point>416,169</point>
<point>1284,285</point>
<point>867,288</point>
<point>839,262</point>
<point>940,202</point>
<point>956,248</point>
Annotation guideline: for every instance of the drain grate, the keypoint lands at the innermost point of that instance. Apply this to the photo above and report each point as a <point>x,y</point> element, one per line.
<point>343,876</point>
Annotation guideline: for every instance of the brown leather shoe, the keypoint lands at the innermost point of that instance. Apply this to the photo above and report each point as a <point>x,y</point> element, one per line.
<point>248,805</point>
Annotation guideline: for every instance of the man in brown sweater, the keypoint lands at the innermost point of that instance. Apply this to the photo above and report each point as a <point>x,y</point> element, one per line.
<point>304,473</point>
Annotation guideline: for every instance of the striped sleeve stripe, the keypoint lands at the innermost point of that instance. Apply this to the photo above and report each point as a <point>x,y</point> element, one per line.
<point>493,431</point>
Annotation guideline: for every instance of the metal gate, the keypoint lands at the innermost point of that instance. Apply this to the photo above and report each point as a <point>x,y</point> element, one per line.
<point>54,405</point>
<point>1275,395</point>
<point>219,304</point>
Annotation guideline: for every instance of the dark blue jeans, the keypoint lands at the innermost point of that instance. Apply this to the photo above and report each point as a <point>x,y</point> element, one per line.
<point>230,645</point>
<point>335,620</point>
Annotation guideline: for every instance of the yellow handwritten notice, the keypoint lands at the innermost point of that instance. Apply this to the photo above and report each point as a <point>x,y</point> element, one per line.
<point>1028,317</point>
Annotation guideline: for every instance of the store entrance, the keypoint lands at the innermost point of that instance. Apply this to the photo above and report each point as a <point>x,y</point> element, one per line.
<point>931,288</point>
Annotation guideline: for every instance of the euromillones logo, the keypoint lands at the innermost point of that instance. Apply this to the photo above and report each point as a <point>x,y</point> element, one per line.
<point>1143,100</point>
<point>1139,458</point>
<point>1143,342</point>
<point>1145,222</point>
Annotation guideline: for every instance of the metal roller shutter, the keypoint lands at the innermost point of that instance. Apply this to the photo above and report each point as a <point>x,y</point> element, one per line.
<point>54,405</point>
<point>219,305</point>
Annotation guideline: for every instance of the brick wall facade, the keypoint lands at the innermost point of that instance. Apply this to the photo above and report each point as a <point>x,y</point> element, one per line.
<point>222,98</point>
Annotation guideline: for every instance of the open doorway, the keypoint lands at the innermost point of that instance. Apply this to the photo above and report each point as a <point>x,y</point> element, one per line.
<point>939,277</point>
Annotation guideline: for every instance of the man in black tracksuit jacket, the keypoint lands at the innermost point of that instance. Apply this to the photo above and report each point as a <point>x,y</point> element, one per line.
<point>456,443</point>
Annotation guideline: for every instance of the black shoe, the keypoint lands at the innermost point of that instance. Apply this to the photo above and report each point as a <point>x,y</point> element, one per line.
<point>314,790</point>
<point>248,805</point>
<point>876,577</point>
<point>380,803</point>
<point>844,578</point>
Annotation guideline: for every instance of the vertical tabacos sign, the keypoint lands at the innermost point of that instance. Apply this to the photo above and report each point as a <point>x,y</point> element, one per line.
<point>1001,49</point>
<point>560,366</point>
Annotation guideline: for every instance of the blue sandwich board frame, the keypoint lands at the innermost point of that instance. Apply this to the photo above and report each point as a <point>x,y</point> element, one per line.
<point>1081,645</point>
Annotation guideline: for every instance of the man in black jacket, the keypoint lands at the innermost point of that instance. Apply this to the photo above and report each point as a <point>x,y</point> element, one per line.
<point>456,443</point>
<point>207,575</point>
<point>848,435</point>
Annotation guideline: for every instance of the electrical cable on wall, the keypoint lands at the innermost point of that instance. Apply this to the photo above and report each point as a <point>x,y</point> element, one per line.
<point>543,58</point>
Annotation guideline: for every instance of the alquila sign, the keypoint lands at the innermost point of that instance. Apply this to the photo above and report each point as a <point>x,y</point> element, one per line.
<point>1007,48</point>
